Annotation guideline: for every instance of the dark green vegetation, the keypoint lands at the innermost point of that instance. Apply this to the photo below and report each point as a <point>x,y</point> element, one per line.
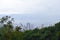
<point>7,31</point>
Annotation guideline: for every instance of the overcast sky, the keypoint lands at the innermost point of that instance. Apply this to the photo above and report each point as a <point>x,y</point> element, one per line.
<point>34,11</point>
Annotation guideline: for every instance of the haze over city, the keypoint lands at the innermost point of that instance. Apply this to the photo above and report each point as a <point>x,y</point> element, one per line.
<point>37,12</point>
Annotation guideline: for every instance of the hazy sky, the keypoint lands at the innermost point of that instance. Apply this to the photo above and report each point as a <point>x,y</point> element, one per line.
<point>34,11</point>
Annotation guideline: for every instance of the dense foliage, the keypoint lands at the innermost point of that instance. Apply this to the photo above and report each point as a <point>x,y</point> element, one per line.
<point>7,31</point>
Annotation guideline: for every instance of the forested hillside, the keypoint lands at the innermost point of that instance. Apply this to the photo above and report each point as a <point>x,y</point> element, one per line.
<point>7,31</point>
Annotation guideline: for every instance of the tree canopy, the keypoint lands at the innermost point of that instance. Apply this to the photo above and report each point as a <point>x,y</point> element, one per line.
<point>7,31</point>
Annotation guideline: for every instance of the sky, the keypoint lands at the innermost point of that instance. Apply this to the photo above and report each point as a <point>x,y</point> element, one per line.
<point>38,12</point>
